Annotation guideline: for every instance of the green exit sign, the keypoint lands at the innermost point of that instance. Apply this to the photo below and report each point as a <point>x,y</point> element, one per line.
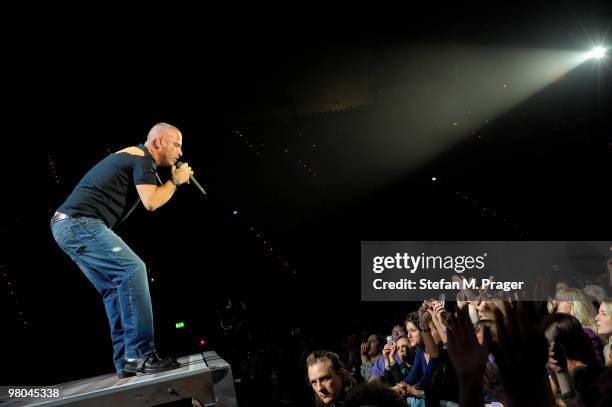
<point>180,325</point>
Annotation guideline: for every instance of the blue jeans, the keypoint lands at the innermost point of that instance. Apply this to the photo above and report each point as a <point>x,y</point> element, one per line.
<point>119,275</point>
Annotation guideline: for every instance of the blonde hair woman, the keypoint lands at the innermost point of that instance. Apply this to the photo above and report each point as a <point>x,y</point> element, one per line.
<point>486,308</point>
<point>574,302</point>
<point>603,320</point>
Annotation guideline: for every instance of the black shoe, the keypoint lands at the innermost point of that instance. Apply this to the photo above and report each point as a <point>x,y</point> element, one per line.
<point>150,363</point>
<point>123,374</point>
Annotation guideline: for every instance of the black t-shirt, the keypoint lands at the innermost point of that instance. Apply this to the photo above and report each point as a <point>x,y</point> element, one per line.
<point>108,190</point>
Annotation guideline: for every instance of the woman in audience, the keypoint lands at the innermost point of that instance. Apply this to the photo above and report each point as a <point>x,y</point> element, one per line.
<point>574,302</point>
<point>567,334</point>
<point>493,390</point>
<point>603,321</point>
<point>397,372</point>
<point>378,370</point>
<point>443,387</point>
<point>418,325</point>
<point>486,308</point>
<point>370,352</point>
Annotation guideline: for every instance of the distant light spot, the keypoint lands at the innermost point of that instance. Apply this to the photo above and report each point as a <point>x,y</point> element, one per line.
<point>116,249</point>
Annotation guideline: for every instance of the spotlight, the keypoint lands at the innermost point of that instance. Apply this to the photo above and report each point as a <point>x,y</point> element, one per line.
<point>597,53</point>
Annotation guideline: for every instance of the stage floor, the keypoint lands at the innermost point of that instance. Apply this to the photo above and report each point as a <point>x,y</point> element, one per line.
<point>204,377</point>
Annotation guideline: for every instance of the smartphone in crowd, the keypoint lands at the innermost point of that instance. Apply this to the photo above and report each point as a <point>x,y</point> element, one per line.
<point>389,340</point>
<point>442,299</point>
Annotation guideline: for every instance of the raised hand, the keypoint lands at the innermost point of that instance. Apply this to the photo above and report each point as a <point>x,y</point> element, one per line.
<point>386,352</point>
<point>521,354</point>
<point>439,317</point>
<point>364,348</point>
<point>557,362</point>
<point>440,312</point>
<point>392,353</point>
<point>468,357</point>
<point>424,317</point>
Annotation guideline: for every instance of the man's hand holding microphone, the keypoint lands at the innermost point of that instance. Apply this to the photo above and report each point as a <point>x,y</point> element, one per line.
<point>181,173</point>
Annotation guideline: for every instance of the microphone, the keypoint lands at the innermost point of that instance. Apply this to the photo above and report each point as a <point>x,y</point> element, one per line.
<point>192,179</point>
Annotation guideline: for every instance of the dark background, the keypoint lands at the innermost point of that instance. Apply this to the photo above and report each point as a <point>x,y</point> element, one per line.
<point>77,89</point>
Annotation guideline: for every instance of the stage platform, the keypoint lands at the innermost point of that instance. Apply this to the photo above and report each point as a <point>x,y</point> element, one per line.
<point>203,377</point>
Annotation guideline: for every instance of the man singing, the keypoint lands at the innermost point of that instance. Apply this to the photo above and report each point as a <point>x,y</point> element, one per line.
<point>82,227</point>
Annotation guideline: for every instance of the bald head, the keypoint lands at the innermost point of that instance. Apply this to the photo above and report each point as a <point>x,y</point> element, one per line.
<point>165,142</point>
<point>161,130</point>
